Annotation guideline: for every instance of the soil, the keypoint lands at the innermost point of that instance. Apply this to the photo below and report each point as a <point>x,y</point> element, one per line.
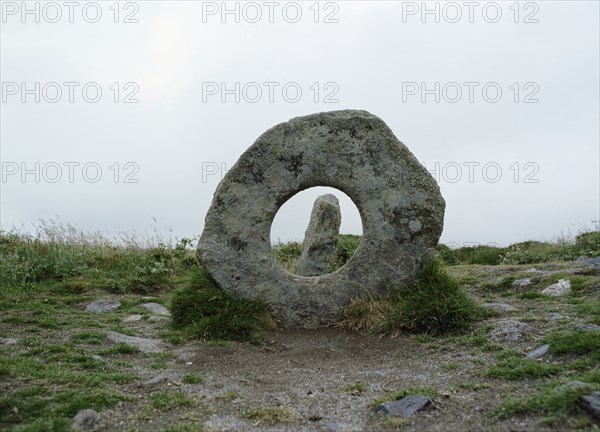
<point>308,373</point>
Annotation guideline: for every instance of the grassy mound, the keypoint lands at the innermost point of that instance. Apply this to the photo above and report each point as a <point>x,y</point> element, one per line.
<point>435,304</point>
<point>201,310</point>
<point>586,243</point>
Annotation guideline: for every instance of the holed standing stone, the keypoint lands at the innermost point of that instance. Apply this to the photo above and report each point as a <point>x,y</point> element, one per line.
<point>399,201</point>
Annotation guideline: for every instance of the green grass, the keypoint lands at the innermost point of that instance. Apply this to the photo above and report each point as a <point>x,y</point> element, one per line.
<point>513,365</point>
<point>202,310</point>
<point>575,342</point>
<point>268,415</point>
<point>566,248</point>
<point>193,379</point>
<point>70,261</point>
<point>435,304</point>
<point>400,394</point>
<point>167,401</point>
<point>553,399</point>
<point>120,349</point>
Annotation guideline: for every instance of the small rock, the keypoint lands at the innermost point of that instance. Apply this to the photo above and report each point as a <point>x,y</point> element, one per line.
<point>100,306</point>
<point>554,316</point>
<point>86,419</point>
<point>562,287</point>
<point>499,307</point>
<point>155,318</point>
<point>156,308</point>
<point>98,358</point>
<point>588,327</point>
<point>9,341</point>
<point>591,403</point>
<point>144,345</point>
<point>593,264</point>
<point>533,270</point>
<point>132,318</point>
<point>333,427</point>
<point>509,331</point>
<point>538,352</point>
<point>404,407</point>
<point>521,284</point>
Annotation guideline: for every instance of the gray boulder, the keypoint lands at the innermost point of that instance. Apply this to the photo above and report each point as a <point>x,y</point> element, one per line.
<point>399,201</point>
<point>143,344</point>
<point>559,289</point>
<point>86,419</point>
<point>539,352</point>
<point>591,403</point>
<point>588,327</point>
<point>321,237</point>
<point>521,284</point>
<point>509,331</point>
<point>100,306</point>
<point>156,308</point>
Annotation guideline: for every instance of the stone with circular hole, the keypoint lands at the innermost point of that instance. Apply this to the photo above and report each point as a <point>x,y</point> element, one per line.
<point>400,204</point>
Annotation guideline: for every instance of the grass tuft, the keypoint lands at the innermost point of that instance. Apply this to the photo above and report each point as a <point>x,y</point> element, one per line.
<point>202,310</point>
<point>435,304</point>
<point>268,415</point>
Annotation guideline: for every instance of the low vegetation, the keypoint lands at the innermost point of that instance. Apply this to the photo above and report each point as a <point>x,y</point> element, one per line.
<point>268,415</point>
<point>62,362</point>
<point>399,394</point>
<point>202,310</point>
<point>434,304</point>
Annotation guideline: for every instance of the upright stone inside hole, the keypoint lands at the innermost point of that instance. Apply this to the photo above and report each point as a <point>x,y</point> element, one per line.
<point>321,237</point>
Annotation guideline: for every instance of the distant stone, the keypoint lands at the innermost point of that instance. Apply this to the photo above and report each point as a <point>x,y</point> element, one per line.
<point>404,407</point>
<point>499,307</point>
<point>591,403</point>
<point>561,288</point>
<point>86,419</point>
<point>593,264</point>
<point>98,358</point>
<point>99,306</point>
<point>321,237</point>
<point>144,345</point>
<point>588,327</point>
<point>9,342</point>
<point>554,316</point>
<point>132,318</point>
<point>155,318</point>
<point>156,308</point>
<point>522,283</point>
<point>509,331</point>
<point>332,427</point>
<point>539,352</point>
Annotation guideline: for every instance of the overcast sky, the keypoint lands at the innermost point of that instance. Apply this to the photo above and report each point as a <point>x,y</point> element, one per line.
<point>499,100</point>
